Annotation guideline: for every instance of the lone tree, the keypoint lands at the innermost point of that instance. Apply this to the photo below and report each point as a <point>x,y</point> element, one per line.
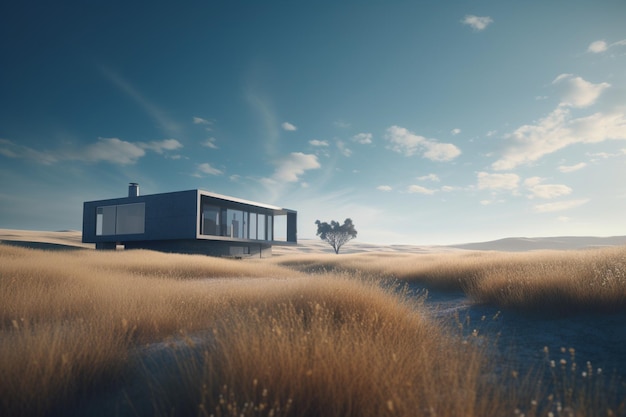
<point>336,234</point>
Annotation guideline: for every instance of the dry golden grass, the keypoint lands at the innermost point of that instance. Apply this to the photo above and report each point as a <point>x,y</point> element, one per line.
<point>191,335</point>
<point>543,281</point>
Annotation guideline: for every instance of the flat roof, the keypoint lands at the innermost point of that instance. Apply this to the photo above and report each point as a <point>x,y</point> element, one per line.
<point>242,201</point>
<point>208,194</point>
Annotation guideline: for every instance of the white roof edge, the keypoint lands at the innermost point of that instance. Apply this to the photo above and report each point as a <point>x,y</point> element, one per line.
<point>242,201</point>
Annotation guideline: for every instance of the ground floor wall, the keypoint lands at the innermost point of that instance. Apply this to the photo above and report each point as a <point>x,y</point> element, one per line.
<point>200,247</point>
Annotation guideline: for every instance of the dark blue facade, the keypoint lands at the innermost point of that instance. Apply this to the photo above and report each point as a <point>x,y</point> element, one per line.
<point>192,221</point>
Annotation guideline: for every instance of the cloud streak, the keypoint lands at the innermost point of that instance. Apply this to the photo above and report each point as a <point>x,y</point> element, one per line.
<point>560,129</point>
<point>206,169</point>
<point>571,168</point>
<point>288,127</point>
<point>148,106</point>
<point>293,166</point>
<point>407,143</point>
<point>318,143</point>
<point>545,191</point>
<point>161,146</point>
<point>577,92</point>
<point>600,46</point>
<point>559,206</point>
<point>109,150</point>
<point>487,181</point>
<point>478,23</point>
<point>363,138</point>
<point>418,189</point>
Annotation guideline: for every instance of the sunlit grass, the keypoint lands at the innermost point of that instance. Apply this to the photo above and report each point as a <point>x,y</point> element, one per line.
<point>543,281</point>
<point>168,334</point>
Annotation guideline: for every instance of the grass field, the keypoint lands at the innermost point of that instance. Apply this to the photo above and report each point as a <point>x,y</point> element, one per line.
<point>143,333</point>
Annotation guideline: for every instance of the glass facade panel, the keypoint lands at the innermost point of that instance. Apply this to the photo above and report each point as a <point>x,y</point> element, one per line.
<point>99,220</point>
<point>210,220</point>
<point>236,222</point>
<point>123,219</point>
<point>130,219</point>
<point>261,235</point>
<point>245,219</point>
<point>280,228</point>
<point>270,227</point>
<point>253,225</point>
<point>106,215</point>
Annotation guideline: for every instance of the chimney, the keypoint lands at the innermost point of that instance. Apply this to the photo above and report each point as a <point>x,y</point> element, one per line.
<point>133,189</point>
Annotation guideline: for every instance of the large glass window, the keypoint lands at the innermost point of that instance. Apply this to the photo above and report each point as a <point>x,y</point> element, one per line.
<point>123,219</point>
<point>235,221</point>
<point>211,220</point>
<point>280,228</point>
<point>235,224</point>
<point>130,219</point>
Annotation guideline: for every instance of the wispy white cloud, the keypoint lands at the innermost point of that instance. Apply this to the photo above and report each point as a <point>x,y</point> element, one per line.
<point>362,138</point>
<point>455,131</point>
<point>600,46</point>
<point>545,191</point>
<point>341,124</point>
<point>571,168</point>
<point>577,92</point>
<point>318,143</point>
<point>210,143</point>
<point>156,113</point>
<point>290,168</point>
<point>345,151</point>
<point>597,47</point>
<point>559,129</point>
<point>12,150</point>
<point>110,150</point>
<point>7,148</point>
<point>201,121</point>
<point>206,169</point>
<point>264,109</point>
<point>441,151</point>
<point>597,156</point>
<point>429,177</point>
<point>478,23</point>
<point>559,206</point>
<point>405,142</point>
<point>418,189</point>
<point>206,124</point>
<point>487,181</point>
<point>385,188</point>
<point>288,127</point>
<point>161,145</point>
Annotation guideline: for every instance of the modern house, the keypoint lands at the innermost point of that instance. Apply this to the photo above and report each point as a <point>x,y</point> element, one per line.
<point>192,221</point>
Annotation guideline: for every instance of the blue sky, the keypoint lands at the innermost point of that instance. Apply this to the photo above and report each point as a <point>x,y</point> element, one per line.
<point>426,122</point>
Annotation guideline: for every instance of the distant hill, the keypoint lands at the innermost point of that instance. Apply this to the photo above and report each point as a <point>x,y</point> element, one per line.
<point>521,244</point>
<point>71,239</point>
